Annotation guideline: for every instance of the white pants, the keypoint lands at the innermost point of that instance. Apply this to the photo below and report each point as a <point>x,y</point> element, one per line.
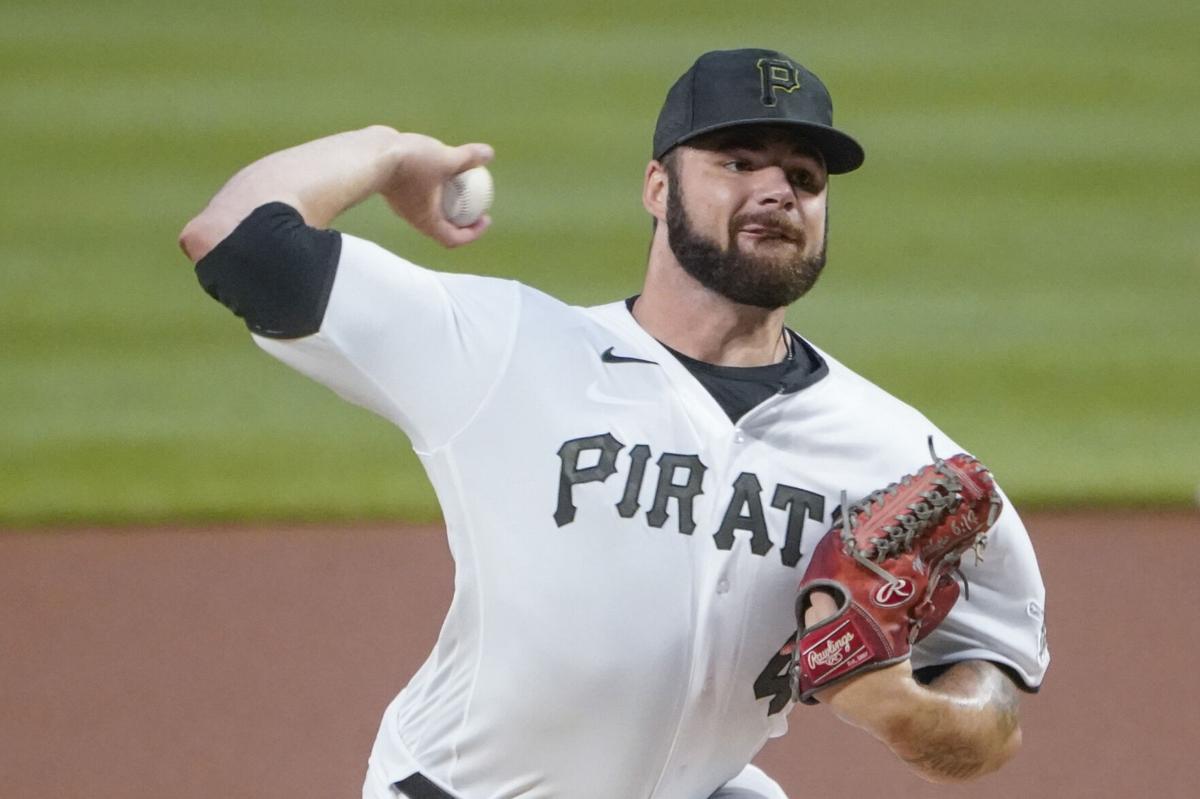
<point>752,783</point>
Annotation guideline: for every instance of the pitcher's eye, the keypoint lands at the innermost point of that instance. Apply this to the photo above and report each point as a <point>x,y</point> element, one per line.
<point>804,179</point>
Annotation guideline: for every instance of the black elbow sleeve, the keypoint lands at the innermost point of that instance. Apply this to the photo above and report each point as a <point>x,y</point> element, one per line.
<point>274,271</point>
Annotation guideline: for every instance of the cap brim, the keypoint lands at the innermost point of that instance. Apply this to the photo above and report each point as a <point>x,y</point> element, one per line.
<point>841,152</point>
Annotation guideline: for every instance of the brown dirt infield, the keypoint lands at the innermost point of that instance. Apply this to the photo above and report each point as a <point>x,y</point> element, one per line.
<point>255,662</point>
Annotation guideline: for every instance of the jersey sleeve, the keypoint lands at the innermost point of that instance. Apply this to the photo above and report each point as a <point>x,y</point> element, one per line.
<point>1001,617</point>
<point>418,347</point>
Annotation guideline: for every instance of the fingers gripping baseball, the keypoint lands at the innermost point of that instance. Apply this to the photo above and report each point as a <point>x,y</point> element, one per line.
<point>414,191</point>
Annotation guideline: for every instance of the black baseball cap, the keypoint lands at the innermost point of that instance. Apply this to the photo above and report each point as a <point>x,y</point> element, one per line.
<point>728,88</point>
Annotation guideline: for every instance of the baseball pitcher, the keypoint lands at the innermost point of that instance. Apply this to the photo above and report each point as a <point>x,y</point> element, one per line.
<point>674,520</point>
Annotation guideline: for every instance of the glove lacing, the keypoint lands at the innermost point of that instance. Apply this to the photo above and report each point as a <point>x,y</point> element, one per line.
<point>934,505</point>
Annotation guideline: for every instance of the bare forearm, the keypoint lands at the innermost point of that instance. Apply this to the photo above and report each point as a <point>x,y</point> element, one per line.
<point>962,725</point>
<point>320,179</point>
<point>323,178</point>
<point>965,724</point>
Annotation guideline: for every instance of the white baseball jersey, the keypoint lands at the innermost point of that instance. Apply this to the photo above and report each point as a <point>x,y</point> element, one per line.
<point>627,557</point>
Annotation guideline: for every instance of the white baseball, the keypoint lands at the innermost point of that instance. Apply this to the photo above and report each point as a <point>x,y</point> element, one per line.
<point>467,196</point>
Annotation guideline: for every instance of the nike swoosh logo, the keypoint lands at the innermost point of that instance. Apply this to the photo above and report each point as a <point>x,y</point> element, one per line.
<point>608,357</point>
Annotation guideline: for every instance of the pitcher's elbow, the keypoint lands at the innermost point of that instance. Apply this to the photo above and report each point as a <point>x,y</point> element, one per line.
<point>200,235</point>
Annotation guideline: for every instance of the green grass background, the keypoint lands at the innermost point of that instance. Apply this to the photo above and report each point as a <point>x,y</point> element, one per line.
<point>1020,256</point>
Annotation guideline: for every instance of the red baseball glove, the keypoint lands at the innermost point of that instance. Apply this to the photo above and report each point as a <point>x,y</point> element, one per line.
<point>889,563</point>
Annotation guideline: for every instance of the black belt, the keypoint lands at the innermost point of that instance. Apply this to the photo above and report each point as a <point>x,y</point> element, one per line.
<point>418,787</point>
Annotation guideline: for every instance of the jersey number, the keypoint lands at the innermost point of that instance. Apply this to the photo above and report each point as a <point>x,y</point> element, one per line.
<point>775,681</point>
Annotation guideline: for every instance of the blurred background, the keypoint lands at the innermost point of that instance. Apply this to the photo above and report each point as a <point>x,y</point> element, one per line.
<point>1019,257</point>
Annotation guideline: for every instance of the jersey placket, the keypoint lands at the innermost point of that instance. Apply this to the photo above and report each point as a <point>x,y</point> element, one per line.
<point>721,602</point>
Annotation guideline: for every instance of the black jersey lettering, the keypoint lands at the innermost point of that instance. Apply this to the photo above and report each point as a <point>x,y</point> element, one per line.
<point>570,474</point>
<point>799,504</point>
<point>745,512</point>
<point>684,495</point>
<point>628,505</point>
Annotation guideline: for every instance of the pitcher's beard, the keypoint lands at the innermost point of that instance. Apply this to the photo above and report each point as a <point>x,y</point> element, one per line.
<point>743,277</point>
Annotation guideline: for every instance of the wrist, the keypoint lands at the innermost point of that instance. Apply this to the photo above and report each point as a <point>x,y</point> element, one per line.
<point>880,702</point>
<point>409,163</point>
<point>391,148</point>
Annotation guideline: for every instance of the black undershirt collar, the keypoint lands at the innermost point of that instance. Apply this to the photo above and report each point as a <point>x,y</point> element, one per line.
<point>738,389</point>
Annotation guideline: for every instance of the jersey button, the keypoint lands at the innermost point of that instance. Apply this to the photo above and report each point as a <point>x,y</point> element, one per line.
<point>739,437</point>
<point>722,586</point>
